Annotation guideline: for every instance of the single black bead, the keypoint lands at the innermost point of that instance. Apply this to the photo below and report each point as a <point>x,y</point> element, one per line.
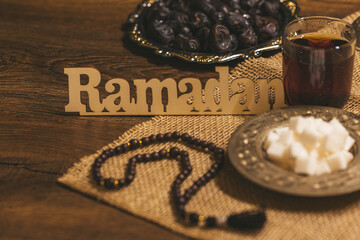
<point>112,152</point>
<point>97,175</point>
<point>125,147</point>
<point>215,166</point>
<point>97,164</point>
<point>204,144</point>
<point>118,150</point>
<point>139,157</point>
<point>211,146</point>
<point>181,209</point>
<point>210,222</point>
<point>181,200</point>
<point>108,153</point>
<point>122,182</point>
<point>219,153</point>
<point>155,156</point>
<point>213,171</point>
<point>95,169</point>
<point>177,192</point>
<point>194,188</point>
<point>174,152</point>
<point>185,137</point>
<point>184,154</point>
<point>132,171</point>
<point>187,196</point>
<point>147,157</point>
<point>203,179</point>
<point>185,159</point>
<point>109,182</point>
<point>188,191</point>
<point>163,153</point>
<point>176,185</point>
<point>145,141</point>
<point>134,143</point>
<point>188,168</point>
<point>160,137</point>
<point>167,136</point>
<point>181,176</point>
<point>208,175</point>
<point>103,157</point>
<point>196,142</point>
<point>221,162</point>
<point>132,166</point>
<point>98,179</point>
<point>190,140</point>
<point>99,160</point>
<point>152,138</point>
<point>133,160</point>
<point>194,218</point>
<point>178,181</point>
<point>186,172</point>
<point>129,178</point>
<point>199,182</point>
<point>175,135</point>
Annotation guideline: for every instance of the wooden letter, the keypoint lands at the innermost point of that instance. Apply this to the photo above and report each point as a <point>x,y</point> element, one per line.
<point>264,87</point>
<point>75,88</point>
<point>123,94</point>
<point>156,86</point>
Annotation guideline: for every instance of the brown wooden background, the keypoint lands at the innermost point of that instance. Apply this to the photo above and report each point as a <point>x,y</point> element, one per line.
<point>39,142</point>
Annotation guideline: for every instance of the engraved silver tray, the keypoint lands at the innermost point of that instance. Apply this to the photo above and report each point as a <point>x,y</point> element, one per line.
<point>138,35</point>
<point>247,155</point>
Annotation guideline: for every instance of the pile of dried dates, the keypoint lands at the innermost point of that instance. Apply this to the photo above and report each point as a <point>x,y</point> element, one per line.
<point>216,26</point>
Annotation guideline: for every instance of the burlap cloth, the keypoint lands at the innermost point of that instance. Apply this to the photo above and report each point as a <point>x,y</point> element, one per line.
<point>149,195</point>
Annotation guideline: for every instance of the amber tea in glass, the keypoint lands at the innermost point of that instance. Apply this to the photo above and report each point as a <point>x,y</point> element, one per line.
<point>318,61</point>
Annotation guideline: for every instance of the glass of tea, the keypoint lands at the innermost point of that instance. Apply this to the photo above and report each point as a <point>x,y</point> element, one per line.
<point>318,61</point>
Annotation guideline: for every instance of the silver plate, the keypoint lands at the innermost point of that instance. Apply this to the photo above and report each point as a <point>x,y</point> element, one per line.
<point>247,155</point>
<point>137,34</point>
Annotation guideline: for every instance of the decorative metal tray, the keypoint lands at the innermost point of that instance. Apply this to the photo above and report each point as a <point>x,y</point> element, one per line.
<point>247,155</point>
<point>138,35</point>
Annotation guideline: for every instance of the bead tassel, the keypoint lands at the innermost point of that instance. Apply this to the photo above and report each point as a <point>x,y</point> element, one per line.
<point>248,219</point>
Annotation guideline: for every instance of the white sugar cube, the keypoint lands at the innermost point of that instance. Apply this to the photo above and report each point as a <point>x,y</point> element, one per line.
<point>349,143</point>
<point>335,141</point>
<point>314,154</point>
<point>323,127</point>
<point>272,137</point>
<point>276,151</point>
<point>297,124</point>
<point>286,137</point>
<point>339,160</point>
<point>310,138</point>
<point>305,165</point>
<point>281,130</point>
<point>322,167</point>
<point>338,126</point>
<point>298,150</point>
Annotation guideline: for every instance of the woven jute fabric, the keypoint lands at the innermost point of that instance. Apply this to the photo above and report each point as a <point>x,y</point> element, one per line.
<point>149,195</point>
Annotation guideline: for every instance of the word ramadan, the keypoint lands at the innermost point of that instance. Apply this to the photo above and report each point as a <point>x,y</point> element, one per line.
<point>169,97</point>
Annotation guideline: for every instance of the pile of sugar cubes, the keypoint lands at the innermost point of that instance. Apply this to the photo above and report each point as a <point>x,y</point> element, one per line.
<point>310,145</point>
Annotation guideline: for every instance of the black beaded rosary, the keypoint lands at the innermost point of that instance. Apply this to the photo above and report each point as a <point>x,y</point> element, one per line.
<point>243,220</point>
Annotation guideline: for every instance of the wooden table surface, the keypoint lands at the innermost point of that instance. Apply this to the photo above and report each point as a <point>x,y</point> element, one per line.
<point>39,142</point>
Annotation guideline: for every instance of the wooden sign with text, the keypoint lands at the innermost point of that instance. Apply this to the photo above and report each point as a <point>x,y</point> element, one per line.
<point>169,97</point>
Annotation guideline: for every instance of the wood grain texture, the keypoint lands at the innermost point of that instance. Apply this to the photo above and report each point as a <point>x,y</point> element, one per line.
<point>38,39</point>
